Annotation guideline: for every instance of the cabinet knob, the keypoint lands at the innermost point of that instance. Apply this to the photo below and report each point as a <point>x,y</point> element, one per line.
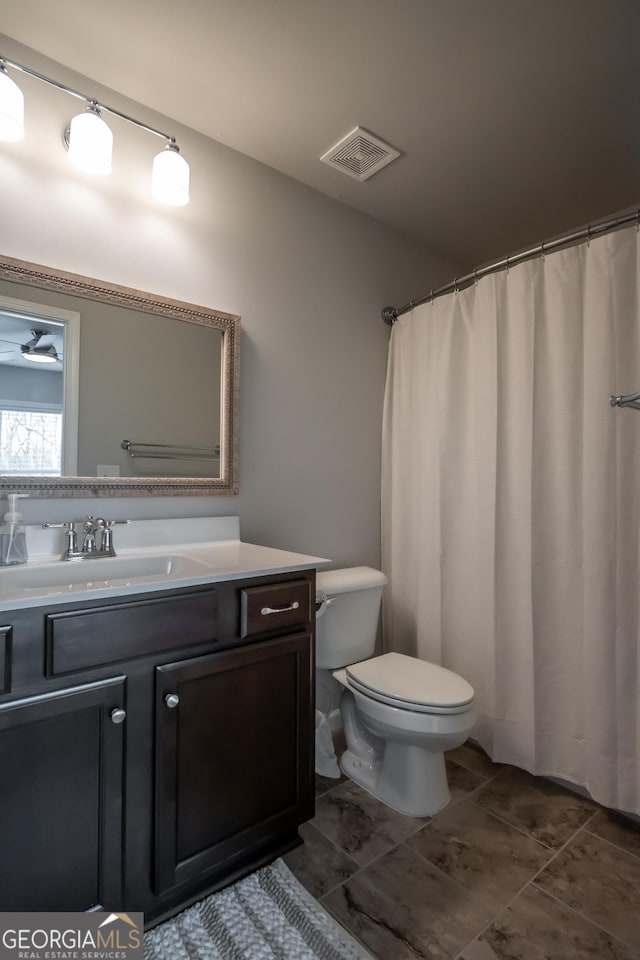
<point>172,700</point>
<point>118,715</point>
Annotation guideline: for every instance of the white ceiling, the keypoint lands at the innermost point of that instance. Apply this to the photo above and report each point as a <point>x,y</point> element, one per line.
<point>517,119</point>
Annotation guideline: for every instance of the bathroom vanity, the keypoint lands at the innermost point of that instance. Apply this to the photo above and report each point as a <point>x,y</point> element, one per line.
<point>156,731</point>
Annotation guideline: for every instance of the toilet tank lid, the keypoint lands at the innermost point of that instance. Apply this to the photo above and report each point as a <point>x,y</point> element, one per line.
<point>332,582</point>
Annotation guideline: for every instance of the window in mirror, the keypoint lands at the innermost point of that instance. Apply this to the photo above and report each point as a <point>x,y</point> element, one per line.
<point>38,385</point>
<point>30,441</point>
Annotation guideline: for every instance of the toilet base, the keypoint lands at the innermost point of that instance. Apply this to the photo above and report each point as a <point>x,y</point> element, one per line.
<point>398,755</point>
<point>406,778</point>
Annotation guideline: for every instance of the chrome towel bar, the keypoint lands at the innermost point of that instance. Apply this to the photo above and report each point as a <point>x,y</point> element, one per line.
<point>139,451</point>
<point>631,400</point>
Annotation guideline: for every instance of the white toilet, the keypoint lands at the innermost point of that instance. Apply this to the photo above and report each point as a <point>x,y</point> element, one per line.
<point>399,713</point>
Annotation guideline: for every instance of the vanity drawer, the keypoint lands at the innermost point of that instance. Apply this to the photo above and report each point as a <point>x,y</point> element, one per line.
<point>92,638</point>
<point>277,606</point>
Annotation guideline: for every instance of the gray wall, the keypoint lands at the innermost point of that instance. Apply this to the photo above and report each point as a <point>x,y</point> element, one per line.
<point>164,388</point>
<point>308,276</point>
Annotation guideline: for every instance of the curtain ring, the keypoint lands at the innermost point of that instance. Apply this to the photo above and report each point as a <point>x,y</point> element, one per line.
<point>638,220</point>
<point>455,285</point>
<point>475,276</point>
<point>589,235</point>
<point>431,295</point>
<point>543,252</point>
<point>507,264</point>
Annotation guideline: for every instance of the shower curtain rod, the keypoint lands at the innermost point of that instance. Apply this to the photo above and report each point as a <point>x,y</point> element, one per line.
<point>391,314</point>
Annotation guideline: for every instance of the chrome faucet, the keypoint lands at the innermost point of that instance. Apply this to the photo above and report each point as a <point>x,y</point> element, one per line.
<point>92,527</point>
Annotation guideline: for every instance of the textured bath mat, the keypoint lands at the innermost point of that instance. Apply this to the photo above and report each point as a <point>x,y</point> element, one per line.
<point>266,916</point>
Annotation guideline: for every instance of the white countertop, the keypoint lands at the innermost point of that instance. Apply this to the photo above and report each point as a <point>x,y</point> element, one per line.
<point>179,553</point>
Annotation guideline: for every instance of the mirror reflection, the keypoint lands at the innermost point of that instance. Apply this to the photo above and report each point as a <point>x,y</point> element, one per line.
<point>38,389</point>
<point>31,401</point>
<point>127,393</point>
<point>150,380</point>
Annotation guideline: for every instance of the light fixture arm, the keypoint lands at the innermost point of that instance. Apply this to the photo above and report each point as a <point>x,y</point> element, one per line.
<point>5,61</point>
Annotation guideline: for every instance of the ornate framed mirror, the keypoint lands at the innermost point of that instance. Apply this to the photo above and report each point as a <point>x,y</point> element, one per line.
<point>110,391</point>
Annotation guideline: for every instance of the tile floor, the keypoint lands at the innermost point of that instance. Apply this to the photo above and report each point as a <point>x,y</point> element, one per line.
<point>515,868</point>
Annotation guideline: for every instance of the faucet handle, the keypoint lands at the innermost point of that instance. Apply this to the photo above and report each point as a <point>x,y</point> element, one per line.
<point>107,534</point>
<point>107,525</point>
<point>69,532</point>
<point>69,528</point>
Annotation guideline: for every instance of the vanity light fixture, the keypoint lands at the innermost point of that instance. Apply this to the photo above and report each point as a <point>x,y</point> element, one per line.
<point>11,108</point>
<point>170,177</point>
<point>90,142</point>
<point>89,139</point>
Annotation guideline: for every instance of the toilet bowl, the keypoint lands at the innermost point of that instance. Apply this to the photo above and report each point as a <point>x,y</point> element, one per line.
<point>399,713</point>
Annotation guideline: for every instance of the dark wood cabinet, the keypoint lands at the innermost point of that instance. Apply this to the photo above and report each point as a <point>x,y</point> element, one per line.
<point>61,757</point>
<point>232,755</point>
<point>153,749</point>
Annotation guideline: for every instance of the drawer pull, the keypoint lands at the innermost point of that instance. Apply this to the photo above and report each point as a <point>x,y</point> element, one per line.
<point>291,606</point>
<point>118,715</point>
<point>172,700</point>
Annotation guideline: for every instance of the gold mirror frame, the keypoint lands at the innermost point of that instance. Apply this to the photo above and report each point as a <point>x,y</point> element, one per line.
<point>45,278</point>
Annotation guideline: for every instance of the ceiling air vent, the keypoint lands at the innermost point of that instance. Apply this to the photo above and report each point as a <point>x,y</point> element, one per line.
<point>360,154</point>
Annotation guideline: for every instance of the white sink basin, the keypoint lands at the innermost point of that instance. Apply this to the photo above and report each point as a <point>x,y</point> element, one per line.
<point>72,576</point>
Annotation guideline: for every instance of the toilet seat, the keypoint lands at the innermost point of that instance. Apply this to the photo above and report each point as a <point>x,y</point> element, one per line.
<point>407,683</point>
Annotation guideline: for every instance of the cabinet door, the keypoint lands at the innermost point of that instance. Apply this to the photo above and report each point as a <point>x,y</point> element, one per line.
<point>233,755</point>
<point>61,799</point>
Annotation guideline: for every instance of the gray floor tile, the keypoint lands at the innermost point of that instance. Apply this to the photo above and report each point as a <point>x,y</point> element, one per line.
<point>461,780</point>
<point>437,889</point>
<point>536,927</point>
<point>323,784</point>
<point>484,854</point>
<point>318,864</point>
<point>618,829</point>
<point>601,882</point>
<point>542,809</point>
<point>359,824</point>
<point>403,908</point>
<point>475,759</point>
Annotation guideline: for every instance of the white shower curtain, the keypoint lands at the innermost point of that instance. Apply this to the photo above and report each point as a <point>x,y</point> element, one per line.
<point>511,507</point>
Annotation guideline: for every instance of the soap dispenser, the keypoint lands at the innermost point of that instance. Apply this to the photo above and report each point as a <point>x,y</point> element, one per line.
<point>13,540</point>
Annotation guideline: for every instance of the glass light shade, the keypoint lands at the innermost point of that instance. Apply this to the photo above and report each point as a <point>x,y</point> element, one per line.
<point>170,177</point>
<point>90,143</point>
<point>11,109</point>
<point>41,357</point>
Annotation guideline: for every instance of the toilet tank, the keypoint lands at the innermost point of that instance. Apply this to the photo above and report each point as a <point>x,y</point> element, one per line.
<point>347,623</point>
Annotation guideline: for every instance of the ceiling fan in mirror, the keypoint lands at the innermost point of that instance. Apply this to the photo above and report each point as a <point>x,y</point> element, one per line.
<point>34,349</point>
